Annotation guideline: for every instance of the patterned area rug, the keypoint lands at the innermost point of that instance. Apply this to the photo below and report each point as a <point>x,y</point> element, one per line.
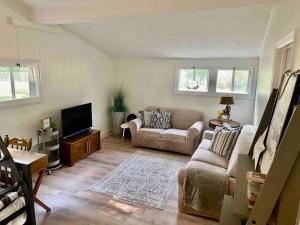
<point>146,178</point>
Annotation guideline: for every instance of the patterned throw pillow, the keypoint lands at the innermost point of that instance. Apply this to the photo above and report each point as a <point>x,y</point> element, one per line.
<point>160,120</point>
<point>146,117</point>
<point>224,140</point>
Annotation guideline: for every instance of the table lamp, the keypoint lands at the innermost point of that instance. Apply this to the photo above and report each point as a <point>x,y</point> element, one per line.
<point>227,100</point>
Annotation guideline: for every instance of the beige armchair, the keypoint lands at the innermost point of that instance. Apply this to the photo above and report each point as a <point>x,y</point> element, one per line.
<point>183,137</point>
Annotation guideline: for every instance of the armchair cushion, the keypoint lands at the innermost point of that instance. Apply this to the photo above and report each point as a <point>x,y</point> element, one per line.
<point>175,135</point>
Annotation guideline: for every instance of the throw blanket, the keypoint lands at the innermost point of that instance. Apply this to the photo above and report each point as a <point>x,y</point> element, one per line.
<point>204,187</point>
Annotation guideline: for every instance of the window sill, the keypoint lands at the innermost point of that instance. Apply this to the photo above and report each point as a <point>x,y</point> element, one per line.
<point>209,94</point>
<point>20,102</point>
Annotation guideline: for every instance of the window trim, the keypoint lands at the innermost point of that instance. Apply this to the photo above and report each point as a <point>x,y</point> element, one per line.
<point>212,81</point>
<point>24,101</point>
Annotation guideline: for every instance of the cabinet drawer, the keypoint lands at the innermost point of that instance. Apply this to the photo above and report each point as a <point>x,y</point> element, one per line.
<point>94,144</point>
<point>78,151</point>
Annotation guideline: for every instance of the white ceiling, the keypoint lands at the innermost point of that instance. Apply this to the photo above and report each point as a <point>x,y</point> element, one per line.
<point>151,28</point>
<point>47,3</point>
<point>234,32</point>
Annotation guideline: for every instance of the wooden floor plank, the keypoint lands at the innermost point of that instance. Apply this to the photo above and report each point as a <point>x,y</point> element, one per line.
<point>67,192</point>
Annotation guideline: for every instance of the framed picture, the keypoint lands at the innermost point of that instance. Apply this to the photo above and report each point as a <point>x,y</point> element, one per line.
<point>46,122</point>
<point>288,95</point>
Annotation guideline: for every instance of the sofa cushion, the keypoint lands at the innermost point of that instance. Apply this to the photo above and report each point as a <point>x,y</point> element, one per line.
<point>242,146</point>
<point>175,135</point>
<point>181,119</point>
<point>206,156</point>
<point>160,120</point>
<point>205,144</point>
<point>146,117</point>
<point>151,132</point>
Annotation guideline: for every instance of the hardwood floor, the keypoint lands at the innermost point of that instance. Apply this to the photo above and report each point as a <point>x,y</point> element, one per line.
<point>66,191</point>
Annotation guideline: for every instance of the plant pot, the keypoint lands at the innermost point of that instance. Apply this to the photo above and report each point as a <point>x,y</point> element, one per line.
<point>118,119</point>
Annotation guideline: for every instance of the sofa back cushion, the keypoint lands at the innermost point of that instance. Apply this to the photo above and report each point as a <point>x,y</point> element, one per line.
<point>181,119</point>
<point>242,146</point>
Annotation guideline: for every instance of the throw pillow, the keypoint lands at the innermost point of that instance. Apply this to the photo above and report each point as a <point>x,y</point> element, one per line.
<point>146,117</point>
<point>224,140</point>
<point>160,120</point>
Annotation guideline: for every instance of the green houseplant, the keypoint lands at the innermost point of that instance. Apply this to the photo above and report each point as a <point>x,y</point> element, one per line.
<point>118,110</point>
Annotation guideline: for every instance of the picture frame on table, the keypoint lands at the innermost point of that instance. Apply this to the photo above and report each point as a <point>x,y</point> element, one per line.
<point>46,122</point>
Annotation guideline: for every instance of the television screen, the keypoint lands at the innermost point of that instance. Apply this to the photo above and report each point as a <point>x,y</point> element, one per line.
<point>76,119</point>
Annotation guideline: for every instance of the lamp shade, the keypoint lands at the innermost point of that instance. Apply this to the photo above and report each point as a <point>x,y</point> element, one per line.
<point>226,100</point>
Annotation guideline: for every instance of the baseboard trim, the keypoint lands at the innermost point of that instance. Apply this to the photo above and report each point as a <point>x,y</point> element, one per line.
<point>106,133</point>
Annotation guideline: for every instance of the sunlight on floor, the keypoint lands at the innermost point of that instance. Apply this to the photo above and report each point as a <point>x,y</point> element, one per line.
<point>124,207</point>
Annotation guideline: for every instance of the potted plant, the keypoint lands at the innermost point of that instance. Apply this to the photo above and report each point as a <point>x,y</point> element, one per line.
<point>118,110</point>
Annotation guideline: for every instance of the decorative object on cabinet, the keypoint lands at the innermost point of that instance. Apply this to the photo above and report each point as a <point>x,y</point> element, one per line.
<point>72,150</point>
<point>226,100</point>
<point>46,122</point>
<point>48,143</point>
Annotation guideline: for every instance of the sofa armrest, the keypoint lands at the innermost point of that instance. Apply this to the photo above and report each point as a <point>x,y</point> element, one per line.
<point>194,134</point>
<point>195,130</point>
<point>134,126</point>
<point>208,134</point>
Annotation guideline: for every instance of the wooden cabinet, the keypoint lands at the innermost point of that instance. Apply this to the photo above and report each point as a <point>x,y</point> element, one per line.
<point>73,150</point>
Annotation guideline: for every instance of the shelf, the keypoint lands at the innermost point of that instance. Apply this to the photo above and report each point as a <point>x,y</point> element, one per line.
<point>227,217</point>
<point>49,134</point>
<point>240,206</point>
<point>51,145</point>
<point>55,163</point>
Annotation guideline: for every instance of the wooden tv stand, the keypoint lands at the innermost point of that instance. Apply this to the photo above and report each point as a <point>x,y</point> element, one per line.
<point>75,149</point>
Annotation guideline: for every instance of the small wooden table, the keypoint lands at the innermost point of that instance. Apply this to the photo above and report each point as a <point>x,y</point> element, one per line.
<point>216,122</point>
<point>31,163</point>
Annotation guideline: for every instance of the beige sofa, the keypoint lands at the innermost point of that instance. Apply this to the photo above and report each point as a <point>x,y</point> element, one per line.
<point>204,159</point>
<point>183,137</point>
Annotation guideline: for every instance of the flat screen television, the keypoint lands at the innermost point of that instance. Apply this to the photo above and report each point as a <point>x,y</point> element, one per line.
<point>76,120</point>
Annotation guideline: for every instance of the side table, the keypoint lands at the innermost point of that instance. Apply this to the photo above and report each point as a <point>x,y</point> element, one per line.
<point>124,126</point>
<point>216,122</point>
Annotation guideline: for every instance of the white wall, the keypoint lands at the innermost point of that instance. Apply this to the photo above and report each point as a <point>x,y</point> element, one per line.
<point>284,19</point>
<point>73,72</point>
<point>152,82</point>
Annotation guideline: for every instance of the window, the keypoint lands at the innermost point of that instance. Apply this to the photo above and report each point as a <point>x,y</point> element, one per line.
<point>19,82</point>
<point>215,81</point>
<point>193,80</point>
<point>233,81</point>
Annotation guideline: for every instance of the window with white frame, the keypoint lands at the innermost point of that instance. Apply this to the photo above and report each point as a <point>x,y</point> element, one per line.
<point>19,81</point>
<point>215,81</point>
<point>193,79</point>
<point>233,81</point>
